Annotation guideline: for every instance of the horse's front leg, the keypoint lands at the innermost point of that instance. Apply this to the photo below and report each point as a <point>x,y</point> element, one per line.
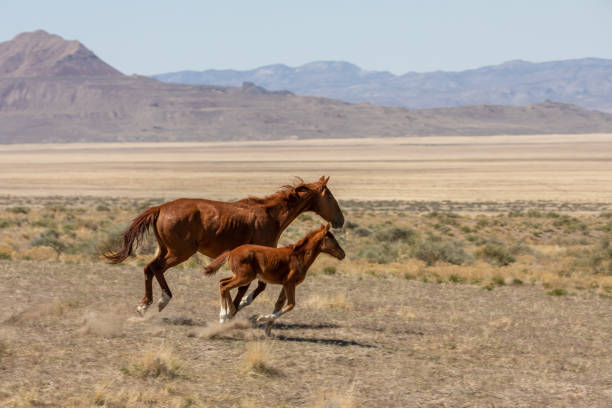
<point>261,285</point>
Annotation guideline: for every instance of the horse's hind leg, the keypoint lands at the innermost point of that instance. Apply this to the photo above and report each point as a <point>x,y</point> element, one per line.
<point>168,261</point>
<point>149,272</point>
<point>238,303</point>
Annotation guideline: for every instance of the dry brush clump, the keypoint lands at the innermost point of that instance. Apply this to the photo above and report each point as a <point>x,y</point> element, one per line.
<point>257,359</point>
<point>156,361</point>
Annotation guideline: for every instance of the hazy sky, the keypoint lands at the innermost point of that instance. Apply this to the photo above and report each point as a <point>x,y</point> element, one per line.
<point>149,37</point>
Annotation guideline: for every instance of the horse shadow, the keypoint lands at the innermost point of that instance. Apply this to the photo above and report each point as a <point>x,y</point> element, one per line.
<point>329,342</point>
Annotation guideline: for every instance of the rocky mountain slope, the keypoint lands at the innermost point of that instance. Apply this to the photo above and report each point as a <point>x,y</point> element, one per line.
<point>585,82</point>
<point>52,90</point>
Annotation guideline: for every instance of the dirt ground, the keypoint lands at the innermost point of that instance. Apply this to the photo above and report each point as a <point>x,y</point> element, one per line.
<point>70,337</point>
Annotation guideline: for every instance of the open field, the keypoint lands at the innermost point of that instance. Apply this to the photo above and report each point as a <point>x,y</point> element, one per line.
<point>478,273</point>
<point>560,168</point>
<point>430,308</point>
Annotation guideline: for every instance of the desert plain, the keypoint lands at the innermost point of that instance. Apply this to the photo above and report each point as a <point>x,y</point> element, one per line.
<point>478,273</point>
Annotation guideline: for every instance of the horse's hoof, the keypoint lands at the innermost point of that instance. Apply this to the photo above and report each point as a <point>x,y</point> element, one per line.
<point>268,331</point>
<point>163,302</point>
<point>142,309</point>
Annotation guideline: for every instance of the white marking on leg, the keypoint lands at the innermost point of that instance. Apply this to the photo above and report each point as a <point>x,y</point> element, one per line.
<point>246,301</point>
<point>268,317</point>
<point>222,314</point>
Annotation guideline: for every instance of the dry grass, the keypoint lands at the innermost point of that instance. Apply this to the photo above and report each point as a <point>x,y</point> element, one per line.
<point>257,358</point>
<point>156,361</point>
<point>337,301</point>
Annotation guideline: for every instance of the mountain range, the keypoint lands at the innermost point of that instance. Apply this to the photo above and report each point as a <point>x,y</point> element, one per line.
<point>585,82</point>
<point>53,90</point>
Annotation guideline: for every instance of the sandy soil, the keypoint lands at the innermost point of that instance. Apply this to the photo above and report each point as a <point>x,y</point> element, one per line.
<point>498,168</point>
<point>70,338</point>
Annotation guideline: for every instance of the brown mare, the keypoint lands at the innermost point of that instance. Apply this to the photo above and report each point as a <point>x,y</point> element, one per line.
<point>186,226</point>
<point>285,266</point>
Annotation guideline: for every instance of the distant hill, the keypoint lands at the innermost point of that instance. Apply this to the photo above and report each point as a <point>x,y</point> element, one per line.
<point>53,90</point>
<point>585,82</point>
<point>40,54</point>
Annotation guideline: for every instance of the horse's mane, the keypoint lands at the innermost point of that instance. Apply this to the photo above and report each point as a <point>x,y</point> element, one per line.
<point>286,192</point>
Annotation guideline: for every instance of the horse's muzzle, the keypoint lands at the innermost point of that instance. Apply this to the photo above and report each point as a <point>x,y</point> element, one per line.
<point>338,222</point>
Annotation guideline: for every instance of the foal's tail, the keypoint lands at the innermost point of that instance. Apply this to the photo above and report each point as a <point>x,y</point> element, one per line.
<point>214,266</point>
<point>134,233</point>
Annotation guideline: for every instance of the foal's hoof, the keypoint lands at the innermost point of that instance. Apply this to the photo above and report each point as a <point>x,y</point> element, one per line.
<point>266,318</point>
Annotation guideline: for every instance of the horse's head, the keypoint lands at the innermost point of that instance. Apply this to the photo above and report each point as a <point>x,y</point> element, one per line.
<point>329,245</point>
<point>324,203</point>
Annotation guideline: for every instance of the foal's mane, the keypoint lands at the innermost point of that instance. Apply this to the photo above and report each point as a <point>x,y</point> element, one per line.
<point>286,192</point>
<point>302,242</point>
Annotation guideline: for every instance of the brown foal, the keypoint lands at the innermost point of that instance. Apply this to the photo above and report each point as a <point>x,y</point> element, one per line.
<point>285,266</point>
<point>186,226</point>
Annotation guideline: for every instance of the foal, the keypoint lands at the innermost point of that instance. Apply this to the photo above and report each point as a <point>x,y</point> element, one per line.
<point>285,266</point>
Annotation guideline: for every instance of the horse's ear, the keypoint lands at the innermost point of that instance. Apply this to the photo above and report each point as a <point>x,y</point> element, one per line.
<point>327,227</point>
<point>326,180</point>
<point>323,180</point>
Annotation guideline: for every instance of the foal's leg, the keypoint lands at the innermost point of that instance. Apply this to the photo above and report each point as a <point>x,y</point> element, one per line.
<point>261,285</point>
<point>279,304</point>
<point>289,290</point>
<point>227,306</point>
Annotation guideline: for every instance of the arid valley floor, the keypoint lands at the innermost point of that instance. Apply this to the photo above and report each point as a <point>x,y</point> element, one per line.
<point>478,274</point>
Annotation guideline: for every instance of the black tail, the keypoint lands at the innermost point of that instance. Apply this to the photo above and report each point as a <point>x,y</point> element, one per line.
<point>134,233</point>
<point>215,265</point>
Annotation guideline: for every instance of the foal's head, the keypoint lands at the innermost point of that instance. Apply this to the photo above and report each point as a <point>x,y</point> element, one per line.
<point>323,201</point>
<point>329,245</point>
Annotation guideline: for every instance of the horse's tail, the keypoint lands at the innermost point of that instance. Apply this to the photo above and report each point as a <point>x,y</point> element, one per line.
<point>217,263</point>
<point>134,233</point>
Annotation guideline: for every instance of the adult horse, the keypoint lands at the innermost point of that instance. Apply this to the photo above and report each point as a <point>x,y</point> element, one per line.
<point>186,226</point>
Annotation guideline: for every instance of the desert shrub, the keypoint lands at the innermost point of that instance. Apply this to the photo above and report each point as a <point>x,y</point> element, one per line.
<point>382,253</point>
<point>434,249</point>
<point>534,214</point>
<point>329,270</point>
<point>351,225</point>
<point>570,224</point>
<point>482,222</point>
<point>363,232</point>
<point>5,256</point>
<point>393,234</point>
<point>600,258</point>
<point>496,254</point>
<point>6,223</point>
<point>18,210</point>
<point>557,292</point>
<point>102,207</point>
<point>49,238</point>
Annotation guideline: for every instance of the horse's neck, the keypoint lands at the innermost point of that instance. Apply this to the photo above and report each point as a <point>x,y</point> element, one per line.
<point>285,212</point>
